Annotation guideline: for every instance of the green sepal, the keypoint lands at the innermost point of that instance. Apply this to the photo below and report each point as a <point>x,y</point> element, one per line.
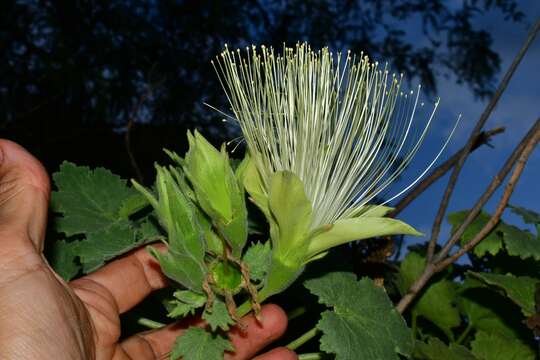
<point>199,344</point>
<point>184,261</point>
<point>181,268</point>
<point>218,316</point>
<point>218,192</point>
<point>185,303</point>
<point>364,227</point>
<point>176,214</point>
<point>280,277</point>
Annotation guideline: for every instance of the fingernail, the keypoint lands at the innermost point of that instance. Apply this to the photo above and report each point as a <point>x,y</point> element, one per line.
<point>1,156</point>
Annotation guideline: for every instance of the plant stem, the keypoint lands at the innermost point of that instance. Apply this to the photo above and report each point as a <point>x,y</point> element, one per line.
<point>225,257</point>
<point>414,323</point>
<point>310,356</point>
<point>299,311</point>
<point>465,333</point>
<point>151,324</point>
<point>303,339</point>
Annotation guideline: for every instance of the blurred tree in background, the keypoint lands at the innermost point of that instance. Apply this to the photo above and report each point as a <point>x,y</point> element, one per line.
<point>74,74</point>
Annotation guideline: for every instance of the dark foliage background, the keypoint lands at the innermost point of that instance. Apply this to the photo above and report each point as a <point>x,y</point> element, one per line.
<point>74,74</point>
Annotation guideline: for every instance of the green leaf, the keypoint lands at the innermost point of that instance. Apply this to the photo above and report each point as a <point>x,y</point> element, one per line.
<point>218,191</point>
<point>106,244</point>
<point>492,244</point>
<point>62,257</point>
<point>495,347</point>
<point>218,317</point>
<point>257,259</point>
<point>410,269</point>
<point>435,303</point>
<point>488,311</point>
<point>520,289</point>
<point>529,216</point>
<point>95,205</point>
<point>148,231</point>
<point>435,349</point>
<point>363,323</point>
<point>89,200</point>
<point>363,227</point>
<point>520,242</point>
<point>185,303</point>
<point>132,204</point>
<point>291,210</point>
<point>182,268</point>
<point>198,344</point>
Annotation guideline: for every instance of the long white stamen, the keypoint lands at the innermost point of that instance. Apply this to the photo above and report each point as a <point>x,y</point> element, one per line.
<point>343,126</point>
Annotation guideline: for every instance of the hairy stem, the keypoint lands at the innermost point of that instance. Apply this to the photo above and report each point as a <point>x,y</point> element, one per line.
<point>465,333</point>
<point>303,338</point>
<point>151,324</point>
<point>310,356</point>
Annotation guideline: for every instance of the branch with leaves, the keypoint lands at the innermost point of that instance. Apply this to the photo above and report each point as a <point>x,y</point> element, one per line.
<point>437,262</point>
<point>441,260</point>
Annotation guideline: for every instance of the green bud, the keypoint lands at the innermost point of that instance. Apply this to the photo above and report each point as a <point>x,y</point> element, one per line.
<point>217,190</point>
<point>184,260</point>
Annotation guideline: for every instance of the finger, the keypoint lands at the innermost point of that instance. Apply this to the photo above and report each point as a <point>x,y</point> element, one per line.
<point>129,279</point>
<point>257,335</point>
<point>154,344</point>
<point>158,343</point>
<point>281,353</point>
<point>24,197</point>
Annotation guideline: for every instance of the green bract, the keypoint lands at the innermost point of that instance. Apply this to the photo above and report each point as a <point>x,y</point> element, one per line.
<point>217,190</point>
<point>184,260</point>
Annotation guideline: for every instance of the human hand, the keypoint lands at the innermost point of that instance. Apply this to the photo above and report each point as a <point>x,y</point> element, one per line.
<point>43,317</point>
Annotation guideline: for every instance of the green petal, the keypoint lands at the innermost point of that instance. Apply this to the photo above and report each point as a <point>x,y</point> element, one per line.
<point>249,175</point>
<point>346,230</point>
<point>371,211</point>
<point>291,210</point>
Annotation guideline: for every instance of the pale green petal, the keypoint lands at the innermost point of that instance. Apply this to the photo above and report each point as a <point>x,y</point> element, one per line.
<point>347,230</point>
<point>252,181</point>
<point>291,210</point>
<point>372,211</point>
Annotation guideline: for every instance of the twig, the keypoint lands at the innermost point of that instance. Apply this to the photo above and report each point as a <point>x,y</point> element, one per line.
<point>131,122</point>
<point>438,263</point>
<point>494,185</point>
<point>483,138</point>
<point>435,231</point>
<point>490,225</point>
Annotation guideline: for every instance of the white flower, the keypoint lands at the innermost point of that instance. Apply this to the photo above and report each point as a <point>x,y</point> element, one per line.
<point>340,123</point>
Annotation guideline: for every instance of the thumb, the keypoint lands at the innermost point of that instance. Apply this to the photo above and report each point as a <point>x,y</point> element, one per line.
<point>24,198</point>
